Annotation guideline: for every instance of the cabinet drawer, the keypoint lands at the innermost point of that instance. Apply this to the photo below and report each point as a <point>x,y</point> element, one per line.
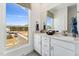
<point>63,44</point>
<point>45,51</point>
<point>45,46</point>
<point>45,40</point>
<point>45,54</point>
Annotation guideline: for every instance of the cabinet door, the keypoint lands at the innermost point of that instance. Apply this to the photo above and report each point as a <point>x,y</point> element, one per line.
<point>45,40</point>
<point>45,50</point>
<point>59,51</point>
<point>37,43</point>
<point>77,49</point>
<point>67,45</point>
<point>52,51</point>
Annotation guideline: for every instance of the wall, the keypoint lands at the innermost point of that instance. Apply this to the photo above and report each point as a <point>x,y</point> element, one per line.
<point>38,14</point>
<point>78,16</point>
<point>35,8</point>
<point>2,28</point>
<point>71,13</point>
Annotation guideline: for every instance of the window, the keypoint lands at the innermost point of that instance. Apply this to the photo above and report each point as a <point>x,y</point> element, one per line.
<point>50,23</point>
<point>16,25</point>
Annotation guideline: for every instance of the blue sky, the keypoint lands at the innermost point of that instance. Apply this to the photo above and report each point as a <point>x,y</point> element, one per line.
<point>49,21</point>
<point>15,15</point>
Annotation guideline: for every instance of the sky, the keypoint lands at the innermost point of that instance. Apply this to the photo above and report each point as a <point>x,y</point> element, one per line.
<point>15,15</point>
<point>49,21</point>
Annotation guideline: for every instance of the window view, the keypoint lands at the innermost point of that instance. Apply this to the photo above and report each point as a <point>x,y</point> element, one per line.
<point>16,25</point>
<point>50,23</point>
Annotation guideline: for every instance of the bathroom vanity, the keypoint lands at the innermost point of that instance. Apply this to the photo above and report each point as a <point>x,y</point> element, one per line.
<point>56,45</point>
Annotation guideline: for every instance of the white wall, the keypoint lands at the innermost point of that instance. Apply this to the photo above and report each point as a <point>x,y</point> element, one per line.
<point>2,28</point>
<point>60,19</point>
<point>35,8</point>
<point>78,16</point>
<point>43,19</point>
<point>38,14</point>
<point>72,11</point>
<point>48,6</point>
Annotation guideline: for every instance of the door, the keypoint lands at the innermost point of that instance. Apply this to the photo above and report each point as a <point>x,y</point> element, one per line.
<point>60,51</point>
<point>52,51</point>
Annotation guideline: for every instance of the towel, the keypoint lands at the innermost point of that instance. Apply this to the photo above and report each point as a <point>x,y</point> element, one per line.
<point>74,25</point>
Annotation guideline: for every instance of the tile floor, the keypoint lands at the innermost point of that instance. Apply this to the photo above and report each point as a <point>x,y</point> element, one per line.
<point>33,53</point>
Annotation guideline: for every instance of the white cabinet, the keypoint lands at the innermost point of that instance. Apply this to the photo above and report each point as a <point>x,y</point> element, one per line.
<point>52,51</point>
<point>62,48</point>
<point>77,49</point>
<point>46,46</point>
<point>50,46</point>
<point>67,45</point>
<point>60,51</point>
<point>37,43</point>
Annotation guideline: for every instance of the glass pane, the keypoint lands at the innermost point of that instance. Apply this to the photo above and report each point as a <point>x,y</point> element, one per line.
<point>49,23</point>
<point>16,25</point>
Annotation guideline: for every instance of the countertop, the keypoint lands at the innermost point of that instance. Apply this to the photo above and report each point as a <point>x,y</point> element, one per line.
<point>59,36</point>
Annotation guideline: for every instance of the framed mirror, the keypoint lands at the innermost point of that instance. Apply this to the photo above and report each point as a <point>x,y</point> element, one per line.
<point>50,21</point>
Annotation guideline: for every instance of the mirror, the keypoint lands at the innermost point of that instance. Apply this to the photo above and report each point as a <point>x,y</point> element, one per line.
<point>50,21</point>
<point>72,12</point>
<point>61,17</point>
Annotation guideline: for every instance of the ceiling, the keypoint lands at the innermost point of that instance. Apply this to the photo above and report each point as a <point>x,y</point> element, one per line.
<point>61,6</point>
<point>46,6</point>
<point>26,5</point>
